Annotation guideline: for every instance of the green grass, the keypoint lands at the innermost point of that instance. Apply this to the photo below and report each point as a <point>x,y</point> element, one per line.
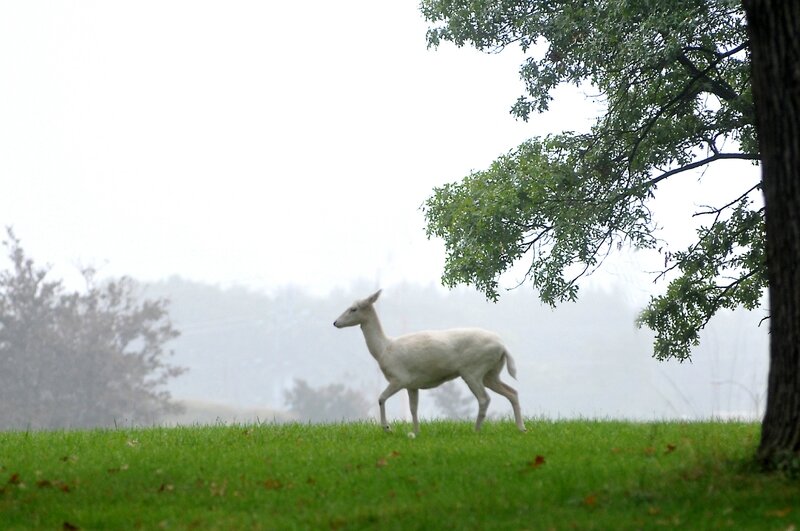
<point>559,475</point>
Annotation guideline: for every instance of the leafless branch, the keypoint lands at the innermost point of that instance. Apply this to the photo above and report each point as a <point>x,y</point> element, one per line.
<point>717,211</point>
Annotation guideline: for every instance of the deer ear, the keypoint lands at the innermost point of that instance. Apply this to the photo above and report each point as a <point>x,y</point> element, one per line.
<point>372,298</point>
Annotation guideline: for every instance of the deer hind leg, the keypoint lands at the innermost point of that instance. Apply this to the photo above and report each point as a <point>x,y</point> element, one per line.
<point>494,383</point>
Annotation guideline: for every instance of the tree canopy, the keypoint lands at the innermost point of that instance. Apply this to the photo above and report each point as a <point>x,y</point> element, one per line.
<point>673,79</point>
<point>79,359</point>
<point>332,403</point>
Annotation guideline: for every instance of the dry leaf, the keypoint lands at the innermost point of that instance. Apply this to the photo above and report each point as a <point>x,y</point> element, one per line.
<point>14,479</point>
<point>780,513</point>
<point>670,448</point>
<point>590,500</point>
<point>218,490</point>
<point>272,484</point>
<point>537,462</point>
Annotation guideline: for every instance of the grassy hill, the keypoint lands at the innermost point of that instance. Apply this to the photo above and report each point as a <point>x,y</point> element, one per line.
<point>559,475</point>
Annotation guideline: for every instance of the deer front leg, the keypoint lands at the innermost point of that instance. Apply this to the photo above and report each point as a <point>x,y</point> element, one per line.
<point>413,401</point>
<point>391,389</point>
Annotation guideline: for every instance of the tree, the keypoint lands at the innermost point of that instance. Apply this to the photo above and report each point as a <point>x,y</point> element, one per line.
<point>333,403</point>
<point>674,81</point>
<point>452,403</point>
<point>78,359</point>
<point>774,30</point>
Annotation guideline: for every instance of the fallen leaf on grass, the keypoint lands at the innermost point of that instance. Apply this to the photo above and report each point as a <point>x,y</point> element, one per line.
<point>590,500</point>
<point>383,461</point>
<point>670,448</point>
<point>14,479</point>
<point>337,522</point>
<point>780,513</point>
<point>273,484</point>
<point>537,462</point>
<point>218,490</point>
<point>693,474</point>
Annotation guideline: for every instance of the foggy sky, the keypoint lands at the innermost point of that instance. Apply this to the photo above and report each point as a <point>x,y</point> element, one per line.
<point>240,142</point>
<point>266,144</point>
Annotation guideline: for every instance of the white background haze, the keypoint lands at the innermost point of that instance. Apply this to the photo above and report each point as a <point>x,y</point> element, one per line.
<point>263,144</point>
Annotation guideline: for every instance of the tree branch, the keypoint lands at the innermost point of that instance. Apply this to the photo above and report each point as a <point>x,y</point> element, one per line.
<point>697,164</point>
<point>717,211</point>
<point>717,87</point>
<point>734,51</point>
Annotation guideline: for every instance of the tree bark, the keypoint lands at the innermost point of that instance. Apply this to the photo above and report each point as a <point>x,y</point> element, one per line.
<point>774,28</point>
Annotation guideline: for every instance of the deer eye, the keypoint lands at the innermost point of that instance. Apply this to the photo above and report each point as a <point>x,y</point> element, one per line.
<point>352,310</point>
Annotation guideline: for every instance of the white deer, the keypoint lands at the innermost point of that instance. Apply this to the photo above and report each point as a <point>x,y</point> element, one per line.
<point>424,360</point>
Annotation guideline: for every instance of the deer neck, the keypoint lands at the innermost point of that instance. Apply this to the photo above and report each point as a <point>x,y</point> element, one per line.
<point>374,336</point>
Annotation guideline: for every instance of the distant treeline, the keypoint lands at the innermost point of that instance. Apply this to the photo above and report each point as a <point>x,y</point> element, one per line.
<point>249,349</point>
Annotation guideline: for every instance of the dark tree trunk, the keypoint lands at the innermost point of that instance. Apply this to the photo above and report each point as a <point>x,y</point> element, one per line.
<point>774,27</point>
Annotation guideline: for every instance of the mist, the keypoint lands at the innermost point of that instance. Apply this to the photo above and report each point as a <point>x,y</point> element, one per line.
<point>227,151</point>
<point>246,352</point>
